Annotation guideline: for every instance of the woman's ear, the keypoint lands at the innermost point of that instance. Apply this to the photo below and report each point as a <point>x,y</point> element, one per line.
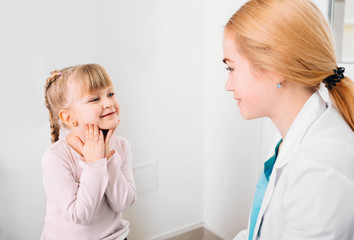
<point>67,118</point>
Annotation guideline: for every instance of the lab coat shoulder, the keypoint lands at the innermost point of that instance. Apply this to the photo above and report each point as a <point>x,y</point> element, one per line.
<point>317,200</point>
<point>329,143</point>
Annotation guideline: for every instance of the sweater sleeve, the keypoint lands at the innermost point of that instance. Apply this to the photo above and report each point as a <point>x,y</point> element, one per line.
<point>78,199</point>
<point>121,191</point>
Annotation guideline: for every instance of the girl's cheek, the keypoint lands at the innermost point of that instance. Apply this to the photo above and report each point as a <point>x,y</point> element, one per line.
<point>117,108</point>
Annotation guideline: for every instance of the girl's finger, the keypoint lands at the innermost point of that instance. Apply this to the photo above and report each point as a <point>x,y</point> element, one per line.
<point>90,131</point>
<point>87,132</point>
<point>114,129</point>
<point>101,136</point>
<point>96,133</point>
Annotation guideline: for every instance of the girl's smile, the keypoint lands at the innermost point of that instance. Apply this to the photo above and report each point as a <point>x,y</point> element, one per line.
<point>99,107</point>
<point>110,114</point>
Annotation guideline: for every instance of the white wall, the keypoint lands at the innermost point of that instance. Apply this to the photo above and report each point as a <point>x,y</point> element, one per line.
<point>153,51</point>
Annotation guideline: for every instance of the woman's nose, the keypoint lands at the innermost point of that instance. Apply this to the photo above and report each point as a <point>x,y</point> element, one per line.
<point>229,84</point>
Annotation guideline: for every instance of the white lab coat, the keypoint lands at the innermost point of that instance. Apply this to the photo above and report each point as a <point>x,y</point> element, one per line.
<point>310,194</point>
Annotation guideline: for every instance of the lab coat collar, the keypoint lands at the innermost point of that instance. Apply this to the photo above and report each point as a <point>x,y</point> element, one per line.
<point>311,110</point>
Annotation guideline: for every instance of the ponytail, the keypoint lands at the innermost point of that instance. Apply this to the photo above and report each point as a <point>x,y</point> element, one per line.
<point>54,127</point>
<point>342,95</point>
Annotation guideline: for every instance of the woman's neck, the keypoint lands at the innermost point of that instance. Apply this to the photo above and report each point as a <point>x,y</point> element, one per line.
<point>288,108</point>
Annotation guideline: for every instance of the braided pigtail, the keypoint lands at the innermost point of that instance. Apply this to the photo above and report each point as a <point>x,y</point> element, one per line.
<point>50,99</point>
<point>54,127</point>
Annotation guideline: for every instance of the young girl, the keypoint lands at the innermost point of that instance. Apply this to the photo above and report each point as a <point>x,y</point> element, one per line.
<point>87,174</point>
<point>278,52</point>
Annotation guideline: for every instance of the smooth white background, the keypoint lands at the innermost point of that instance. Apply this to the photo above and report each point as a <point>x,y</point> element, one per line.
<point>165,61</point>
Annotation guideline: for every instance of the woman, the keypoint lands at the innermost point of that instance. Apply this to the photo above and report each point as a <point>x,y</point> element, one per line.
<point>278,53</point>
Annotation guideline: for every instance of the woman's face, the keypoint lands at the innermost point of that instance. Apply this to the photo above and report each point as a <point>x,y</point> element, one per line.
<point>254,90</point>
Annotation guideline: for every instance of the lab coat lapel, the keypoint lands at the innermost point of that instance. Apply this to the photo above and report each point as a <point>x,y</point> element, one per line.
<point>314,106</point>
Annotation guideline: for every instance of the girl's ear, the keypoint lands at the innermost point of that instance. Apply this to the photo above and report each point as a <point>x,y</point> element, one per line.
<point>67,118</point>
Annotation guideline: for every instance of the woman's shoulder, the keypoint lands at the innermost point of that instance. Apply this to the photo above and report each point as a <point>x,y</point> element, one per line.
<point>327,145</point>
<point>331,122</point>
<point>329,131</point>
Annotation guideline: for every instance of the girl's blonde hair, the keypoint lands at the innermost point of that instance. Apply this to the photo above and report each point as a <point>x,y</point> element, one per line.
<point>87,77</point>
<point>291,38</point>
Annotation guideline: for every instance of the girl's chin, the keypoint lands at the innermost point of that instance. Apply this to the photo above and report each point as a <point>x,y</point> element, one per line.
<point>108,126</point>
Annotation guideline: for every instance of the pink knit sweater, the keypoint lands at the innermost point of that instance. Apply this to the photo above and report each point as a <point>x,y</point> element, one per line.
<point>86,201</point>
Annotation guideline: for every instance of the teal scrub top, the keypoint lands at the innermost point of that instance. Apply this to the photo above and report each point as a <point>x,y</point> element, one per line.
<point>260,190</point>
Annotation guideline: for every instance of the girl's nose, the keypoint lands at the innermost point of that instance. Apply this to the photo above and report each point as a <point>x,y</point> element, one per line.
<point>229,84</point>
<point>107,103</point>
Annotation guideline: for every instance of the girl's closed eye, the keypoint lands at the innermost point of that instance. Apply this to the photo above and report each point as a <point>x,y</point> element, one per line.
<point>95,99</point>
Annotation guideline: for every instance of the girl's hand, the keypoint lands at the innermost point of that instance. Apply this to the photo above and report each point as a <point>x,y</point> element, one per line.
<point>94,147</point>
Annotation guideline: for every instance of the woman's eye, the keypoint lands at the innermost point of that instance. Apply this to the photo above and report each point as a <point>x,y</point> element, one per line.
<point>230,69</point>
<point>111,94</point>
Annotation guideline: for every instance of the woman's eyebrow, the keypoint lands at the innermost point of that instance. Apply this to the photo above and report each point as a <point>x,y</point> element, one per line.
<point>226,60</point>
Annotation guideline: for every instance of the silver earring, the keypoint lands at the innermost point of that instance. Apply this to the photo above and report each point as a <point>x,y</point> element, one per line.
<point>279,84</point>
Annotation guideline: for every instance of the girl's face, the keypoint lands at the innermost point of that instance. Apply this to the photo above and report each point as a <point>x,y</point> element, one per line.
<point>254,90</point>
<point>99,107</point>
